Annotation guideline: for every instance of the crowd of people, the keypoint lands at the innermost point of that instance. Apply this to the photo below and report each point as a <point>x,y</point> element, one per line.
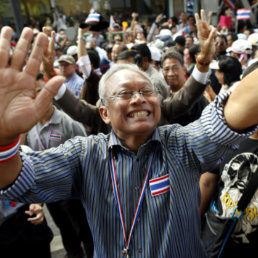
<point>130,133</point>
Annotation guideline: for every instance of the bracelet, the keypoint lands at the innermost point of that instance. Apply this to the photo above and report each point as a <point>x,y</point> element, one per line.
<point>46,79</point>
<point>8,152</point>
<point>202,63</point>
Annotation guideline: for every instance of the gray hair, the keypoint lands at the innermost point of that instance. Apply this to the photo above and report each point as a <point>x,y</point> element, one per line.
<point>114,69</point>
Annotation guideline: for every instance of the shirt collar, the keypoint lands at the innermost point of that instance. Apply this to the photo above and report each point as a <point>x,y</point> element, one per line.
<point>115,141</point>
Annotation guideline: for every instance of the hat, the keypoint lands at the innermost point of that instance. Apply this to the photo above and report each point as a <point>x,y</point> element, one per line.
<point>214,65</point>
<point>164,34</point>
<point>66,58</point>
<point>72,50</point>
<point>155,53</point>
<point>253,39</point>
<point>96,22</point>
<point>240,46</point>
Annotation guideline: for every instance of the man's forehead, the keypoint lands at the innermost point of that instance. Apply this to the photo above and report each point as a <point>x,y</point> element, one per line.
<point>127,77</point>
<point>171,62</point>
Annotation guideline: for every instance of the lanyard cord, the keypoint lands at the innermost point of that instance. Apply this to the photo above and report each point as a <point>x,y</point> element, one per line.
<point>117,197</point>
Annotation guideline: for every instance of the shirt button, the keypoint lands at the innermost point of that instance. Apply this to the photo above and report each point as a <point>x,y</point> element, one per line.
<point>137,159</point>
<point>139,250</point>
<point>136,188</point>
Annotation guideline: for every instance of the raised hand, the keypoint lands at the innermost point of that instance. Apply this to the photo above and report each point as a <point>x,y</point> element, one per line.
<point>206,34</point>
<point>49,56</point>
<point>20,108</point>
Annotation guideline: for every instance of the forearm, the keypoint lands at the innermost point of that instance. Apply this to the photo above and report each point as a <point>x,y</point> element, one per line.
<point>10,170</point>
<point>186,97</point>
<point>79,110</point>
<point>241,109</point>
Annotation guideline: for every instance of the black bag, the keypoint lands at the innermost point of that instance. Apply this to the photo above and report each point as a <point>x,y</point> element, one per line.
<point>216,231</point>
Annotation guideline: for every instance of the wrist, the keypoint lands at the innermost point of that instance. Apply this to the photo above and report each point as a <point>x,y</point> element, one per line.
<point>80,37</point>
<point>9,151</point>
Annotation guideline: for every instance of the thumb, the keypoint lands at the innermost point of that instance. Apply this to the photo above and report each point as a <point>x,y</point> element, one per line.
<point>46,95</point>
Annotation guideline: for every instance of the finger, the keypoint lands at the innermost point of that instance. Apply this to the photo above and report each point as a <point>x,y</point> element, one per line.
<point>52,42</point>
<point>29,213</point>
<point>46,95</point>
<point>203,16</point>
<point>21,49</point>
<point>197,18</point>
<point>212,34</point>
<point>5,38</point>
<point>33,64</point>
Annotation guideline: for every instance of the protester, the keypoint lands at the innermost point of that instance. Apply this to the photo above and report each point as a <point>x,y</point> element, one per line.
<point>175,154</point>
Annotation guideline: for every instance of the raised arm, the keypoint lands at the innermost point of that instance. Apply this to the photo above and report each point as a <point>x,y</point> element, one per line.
<point>20,108</point>
<point>241,109</point>
<point>183,100</point>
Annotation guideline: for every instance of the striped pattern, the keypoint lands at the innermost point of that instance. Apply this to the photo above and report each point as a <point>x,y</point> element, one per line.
<point>168,224</point>
<point>8,152</point>
<point>243,14</point>
<point>159,185</point>
<point>55,136</point>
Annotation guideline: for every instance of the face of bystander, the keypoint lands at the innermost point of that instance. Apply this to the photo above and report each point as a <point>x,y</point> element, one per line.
<point>174,74</point>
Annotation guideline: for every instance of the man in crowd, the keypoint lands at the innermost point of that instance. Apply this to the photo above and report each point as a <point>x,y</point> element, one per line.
<point>73,81</point>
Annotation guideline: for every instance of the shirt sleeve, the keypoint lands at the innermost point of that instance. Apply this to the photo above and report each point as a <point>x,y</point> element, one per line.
<point>201,77</point>
<point>85,66</point>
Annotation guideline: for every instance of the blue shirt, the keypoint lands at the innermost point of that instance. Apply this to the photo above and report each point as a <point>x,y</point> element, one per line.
<point>74,84</point>
<point>168,224</point>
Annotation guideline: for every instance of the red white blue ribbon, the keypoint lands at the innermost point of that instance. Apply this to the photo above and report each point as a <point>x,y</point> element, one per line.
<point>8,152</point>
<point>118,201</point>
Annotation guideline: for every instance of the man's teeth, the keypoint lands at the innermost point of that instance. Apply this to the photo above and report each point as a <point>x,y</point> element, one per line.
<point>139,114</point>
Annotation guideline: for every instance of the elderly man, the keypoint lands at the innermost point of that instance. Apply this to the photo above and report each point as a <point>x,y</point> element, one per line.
<point>143,197</point>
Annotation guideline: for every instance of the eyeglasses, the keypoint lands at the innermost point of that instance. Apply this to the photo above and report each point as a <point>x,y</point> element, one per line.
<point>129,94</point>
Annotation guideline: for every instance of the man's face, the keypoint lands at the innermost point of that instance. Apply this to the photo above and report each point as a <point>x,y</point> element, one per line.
<point>66,69</point>
<point>188,42</point>
<point>173,73</point>
<point>136,116</point>
<point>116,49</point>
<point>221,45</point>
<point>229,40</point>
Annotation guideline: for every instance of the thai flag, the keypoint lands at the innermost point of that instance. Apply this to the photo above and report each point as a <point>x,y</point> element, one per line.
<point>230,3</point>
<point>93,18</point>
<point>55,136</point>
<point>243,14</point>
<point>159,185</point>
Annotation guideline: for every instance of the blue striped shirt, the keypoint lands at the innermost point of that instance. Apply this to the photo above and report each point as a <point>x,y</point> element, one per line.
<point>168,224</point>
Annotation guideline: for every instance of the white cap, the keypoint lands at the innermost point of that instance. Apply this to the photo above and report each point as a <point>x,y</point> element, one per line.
<point>155,53</point>
<point>240,46</point>
<point>253,39</point>
<point>72,50</point>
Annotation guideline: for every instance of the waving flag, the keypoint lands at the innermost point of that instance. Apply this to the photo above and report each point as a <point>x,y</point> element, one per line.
<point>243,14</point>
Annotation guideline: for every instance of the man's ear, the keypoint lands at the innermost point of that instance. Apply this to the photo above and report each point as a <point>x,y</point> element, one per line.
<point>103,111</point>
